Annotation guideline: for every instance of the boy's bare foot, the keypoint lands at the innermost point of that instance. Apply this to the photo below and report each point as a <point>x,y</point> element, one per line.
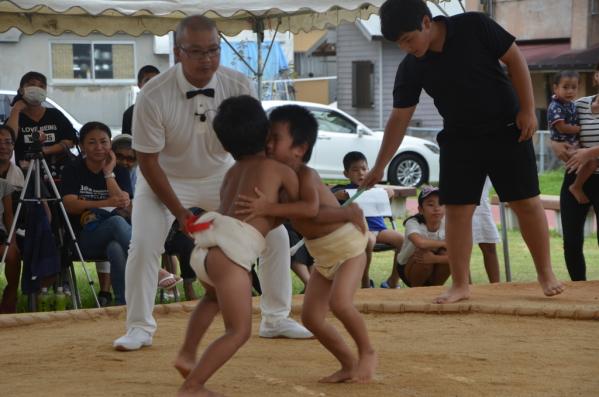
<point>364,371</point>
<point>200,391</point>
<point>550,284</point>
<point>184,364</point>
<point>343,375</point>
<point>578,194</point>
<point>453,294</point>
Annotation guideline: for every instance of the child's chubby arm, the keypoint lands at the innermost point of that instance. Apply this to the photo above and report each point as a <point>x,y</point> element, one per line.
<point>565,128</point>
<point>306,206</point>
<point>352,213</point>
<point>516,65</point>
<point>425,244</point>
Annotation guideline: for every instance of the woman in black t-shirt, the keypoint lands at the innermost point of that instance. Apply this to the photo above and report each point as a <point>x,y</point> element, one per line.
<point>95,192</point>
<point>28,117</point>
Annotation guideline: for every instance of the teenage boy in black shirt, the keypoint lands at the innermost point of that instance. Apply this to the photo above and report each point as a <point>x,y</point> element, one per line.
<point>488,122</point>
<point>28,116</point>
<point>145,74</point>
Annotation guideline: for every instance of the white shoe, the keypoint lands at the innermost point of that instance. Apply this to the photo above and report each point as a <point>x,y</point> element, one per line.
<point>135,339</point>
<point>284,328</point>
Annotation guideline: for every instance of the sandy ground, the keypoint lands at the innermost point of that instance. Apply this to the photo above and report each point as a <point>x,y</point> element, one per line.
<point>530,350</point>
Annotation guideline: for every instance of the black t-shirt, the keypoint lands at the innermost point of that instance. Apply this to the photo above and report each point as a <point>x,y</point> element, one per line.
<point>127,120</point>
<point>466,81</point>
<point>77,179</point>
<point>56,127</point>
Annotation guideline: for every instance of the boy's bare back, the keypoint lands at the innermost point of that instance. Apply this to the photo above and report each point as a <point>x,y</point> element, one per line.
<point>310,183</point>
<point>269,176</point>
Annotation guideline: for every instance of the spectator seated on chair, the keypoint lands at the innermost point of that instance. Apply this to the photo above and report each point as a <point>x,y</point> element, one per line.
<point>12,179</point>
<point>301,260</point>
<point>95,191</point>
<point>355,168</point>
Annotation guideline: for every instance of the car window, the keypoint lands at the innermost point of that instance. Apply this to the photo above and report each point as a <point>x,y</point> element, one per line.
<point>329,120</point>
<point>4,107</point>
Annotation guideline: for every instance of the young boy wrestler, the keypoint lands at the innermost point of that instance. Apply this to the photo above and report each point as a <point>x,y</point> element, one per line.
<point>488,122</point>
<point>355,168</point>
<point>226,247</point>
<point>337,248</point>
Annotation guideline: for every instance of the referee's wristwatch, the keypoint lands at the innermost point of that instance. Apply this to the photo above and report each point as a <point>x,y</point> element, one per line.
<point>111,175</point>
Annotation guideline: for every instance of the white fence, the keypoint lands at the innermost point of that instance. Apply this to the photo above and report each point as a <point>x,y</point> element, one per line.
<point>546,159</point>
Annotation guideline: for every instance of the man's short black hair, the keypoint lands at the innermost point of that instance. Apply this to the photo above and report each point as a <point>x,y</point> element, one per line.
<point>565,74</point>
<point>93,125</point>
<point>353,157</point>
<point>303,127</point>
<point>241,126</point>
<point>27,77</point>
<point>148,69</point>
<point>7,128</point>
<point>402,16</point>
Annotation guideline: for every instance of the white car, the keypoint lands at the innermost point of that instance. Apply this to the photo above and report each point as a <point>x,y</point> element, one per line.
<point>415,162</point>
<point>6,97</point>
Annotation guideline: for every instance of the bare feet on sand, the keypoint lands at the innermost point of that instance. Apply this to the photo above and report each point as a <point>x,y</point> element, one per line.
<point>343,375</point>
<point>364,371</point>
<point>578,194</point>
<point>184,364</point>
<point>453,294</point>
<point>199,391</point>
<point>550,284</point>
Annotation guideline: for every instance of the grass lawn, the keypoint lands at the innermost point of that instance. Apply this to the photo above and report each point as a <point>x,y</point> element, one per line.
<point>522,267</point>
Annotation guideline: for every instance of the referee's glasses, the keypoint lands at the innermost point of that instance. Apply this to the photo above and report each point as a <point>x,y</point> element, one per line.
<point>195,53</point>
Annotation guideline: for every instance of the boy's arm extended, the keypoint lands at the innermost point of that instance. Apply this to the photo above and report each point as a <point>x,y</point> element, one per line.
<point>394,132</point>
<point>517,68</point>
<point>352,213</point>
<point>306,207</point>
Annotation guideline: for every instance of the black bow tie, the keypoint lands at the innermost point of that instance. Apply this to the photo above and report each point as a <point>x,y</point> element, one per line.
<point>209,92</point>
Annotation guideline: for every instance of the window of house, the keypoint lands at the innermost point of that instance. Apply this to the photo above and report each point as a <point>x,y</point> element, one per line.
<point>93,62</point>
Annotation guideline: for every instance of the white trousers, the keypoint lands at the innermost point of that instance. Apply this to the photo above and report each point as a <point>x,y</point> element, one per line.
<point>151,222</point>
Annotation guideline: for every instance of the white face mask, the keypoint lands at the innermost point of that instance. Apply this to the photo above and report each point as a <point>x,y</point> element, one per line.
<point>34,95</point>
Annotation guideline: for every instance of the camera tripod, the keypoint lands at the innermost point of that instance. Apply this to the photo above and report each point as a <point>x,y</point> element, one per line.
<point>36,166</point>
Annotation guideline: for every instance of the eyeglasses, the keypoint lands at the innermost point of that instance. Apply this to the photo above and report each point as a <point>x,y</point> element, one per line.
<point>122,157</point>
<point>7,142</point>
<point>194,53</point>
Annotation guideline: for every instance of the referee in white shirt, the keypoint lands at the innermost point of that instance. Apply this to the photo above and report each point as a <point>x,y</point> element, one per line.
<point>182,165</point>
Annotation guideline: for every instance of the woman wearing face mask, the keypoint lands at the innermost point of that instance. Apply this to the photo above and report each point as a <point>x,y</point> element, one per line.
<point>28,118</point>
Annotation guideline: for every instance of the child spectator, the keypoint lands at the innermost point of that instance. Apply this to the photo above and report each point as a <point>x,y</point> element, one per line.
<point>488,117</point>
<point>125,156</point>
<point>226,247</point>
<point>564,125</point>
<point>145,74</point>
<point>484,233</point>
<point>423,260</point>
<point>355,168</point>
<point>338,248</point>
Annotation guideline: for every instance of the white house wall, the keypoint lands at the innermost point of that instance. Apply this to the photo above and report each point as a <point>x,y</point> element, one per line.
<point>353,46</point>
<point>85,101</point>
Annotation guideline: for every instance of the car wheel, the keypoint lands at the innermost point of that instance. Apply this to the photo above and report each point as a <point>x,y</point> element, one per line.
<point>408,169</point>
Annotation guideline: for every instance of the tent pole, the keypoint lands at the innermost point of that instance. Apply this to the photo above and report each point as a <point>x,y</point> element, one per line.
<point>259,30</point>
<point>506,250</point>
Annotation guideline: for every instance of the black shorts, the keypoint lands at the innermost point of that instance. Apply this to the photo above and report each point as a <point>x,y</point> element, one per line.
<point>466,160</point>
<point>302,255</point>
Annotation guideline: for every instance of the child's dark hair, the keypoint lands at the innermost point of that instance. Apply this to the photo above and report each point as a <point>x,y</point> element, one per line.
<point>27,77</point>
<point>241,126</point>
<point>303,127</point>
<point>13,136</point>
<point>148,69</point>
<point>565,74</point>
<point>402,16</point>
<point>351,158</point>
<point>119,143</point>
<point>93,125</point>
